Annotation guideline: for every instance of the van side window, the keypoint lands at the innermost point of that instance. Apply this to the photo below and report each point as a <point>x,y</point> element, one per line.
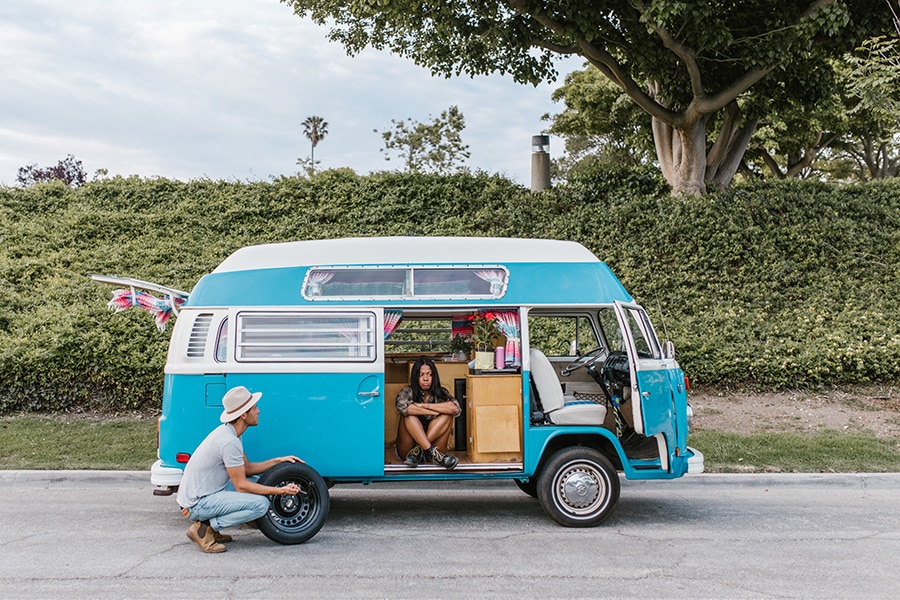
<point>609,324</point>
<point>416,335</point>
<point>570,335</point>
<point>645,341</point>
<point>468,282</point>
<point>305,336</point>
<point>222,342</point>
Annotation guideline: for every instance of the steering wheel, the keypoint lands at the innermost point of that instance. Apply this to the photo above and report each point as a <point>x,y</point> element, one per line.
<point>583,361</point>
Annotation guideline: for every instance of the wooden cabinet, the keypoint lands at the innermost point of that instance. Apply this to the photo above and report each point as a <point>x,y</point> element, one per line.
<point>494,418</point>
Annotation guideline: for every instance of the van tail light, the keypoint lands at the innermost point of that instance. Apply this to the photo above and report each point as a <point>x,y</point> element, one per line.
<point>687,383</point>
<point>182,457</point>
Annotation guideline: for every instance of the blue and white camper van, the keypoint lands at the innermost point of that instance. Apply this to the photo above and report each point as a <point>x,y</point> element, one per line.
<point>582,390</point>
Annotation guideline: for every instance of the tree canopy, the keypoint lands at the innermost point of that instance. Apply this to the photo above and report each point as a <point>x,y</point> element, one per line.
<point>683,63</point>
<point>69,170</point>
<point>434,147</point>
<point>315,129</point>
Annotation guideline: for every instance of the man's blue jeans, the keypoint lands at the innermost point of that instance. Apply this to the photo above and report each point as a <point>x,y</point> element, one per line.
<point>229,508</point>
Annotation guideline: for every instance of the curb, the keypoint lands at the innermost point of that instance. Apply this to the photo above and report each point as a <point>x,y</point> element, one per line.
<point>80,478</point>
<point>74,478</point>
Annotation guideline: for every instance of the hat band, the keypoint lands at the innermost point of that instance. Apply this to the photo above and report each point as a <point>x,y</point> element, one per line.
<point>237,408</point>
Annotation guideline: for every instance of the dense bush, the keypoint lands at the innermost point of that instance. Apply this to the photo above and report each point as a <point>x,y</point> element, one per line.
<point>776,285</point>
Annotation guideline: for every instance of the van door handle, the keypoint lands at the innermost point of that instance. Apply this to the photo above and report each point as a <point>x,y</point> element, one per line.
<point>364,398</point>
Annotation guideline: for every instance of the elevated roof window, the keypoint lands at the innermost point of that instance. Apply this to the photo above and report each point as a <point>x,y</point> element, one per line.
<point>406,283</point>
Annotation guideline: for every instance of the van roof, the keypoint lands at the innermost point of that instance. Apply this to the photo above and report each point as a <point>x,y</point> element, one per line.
<point>403,250</point>
<point>541,272</point>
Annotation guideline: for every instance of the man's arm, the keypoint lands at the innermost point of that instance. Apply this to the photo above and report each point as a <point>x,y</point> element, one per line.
<point>239,479</point>
<point>255,468</point>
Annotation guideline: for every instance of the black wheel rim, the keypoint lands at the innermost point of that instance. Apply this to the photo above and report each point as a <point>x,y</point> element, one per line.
<point>293,514</point>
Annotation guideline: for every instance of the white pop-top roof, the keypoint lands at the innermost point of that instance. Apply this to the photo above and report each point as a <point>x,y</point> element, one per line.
<point>404,250</point>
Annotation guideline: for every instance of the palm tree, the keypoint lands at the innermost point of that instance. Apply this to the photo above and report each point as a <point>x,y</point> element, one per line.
<point>315,129</point>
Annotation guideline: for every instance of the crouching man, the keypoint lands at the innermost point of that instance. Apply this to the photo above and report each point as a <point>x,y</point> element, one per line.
<point>216,491</point>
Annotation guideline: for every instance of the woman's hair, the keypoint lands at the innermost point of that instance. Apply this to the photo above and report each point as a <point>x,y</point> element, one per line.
<point>439,393</point>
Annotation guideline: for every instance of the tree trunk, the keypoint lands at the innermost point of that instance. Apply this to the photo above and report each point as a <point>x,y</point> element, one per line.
<point>727,152</point>
<point>682,156</point>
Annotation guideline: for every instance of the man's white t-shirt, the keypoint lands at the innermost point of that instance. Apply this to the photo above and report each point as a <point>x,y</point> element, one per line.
<point>205,472</point>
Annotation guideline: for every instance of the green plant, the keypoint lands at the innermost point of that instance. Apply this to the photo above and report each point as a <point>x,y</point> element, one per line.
<point>485,332</point>
<point>461,345</point>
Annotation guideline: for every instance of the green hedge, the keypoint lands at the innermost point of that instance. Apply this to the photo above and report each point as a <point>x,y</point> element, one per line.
<point>772,285</point>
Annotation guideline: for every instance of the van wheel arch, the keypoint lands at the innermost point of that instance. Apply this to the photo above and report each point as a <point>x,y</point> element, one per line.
<point>578,487</point>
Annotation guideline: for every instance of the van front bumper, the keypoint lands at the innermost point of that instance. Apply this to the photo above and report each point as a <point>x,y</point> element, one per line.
<point>695,462</point>
<point>165,476</point>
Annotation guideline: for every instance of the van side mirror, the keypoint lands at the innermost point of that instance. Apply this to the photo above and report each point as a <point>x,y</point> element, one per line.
<point>669,349</point>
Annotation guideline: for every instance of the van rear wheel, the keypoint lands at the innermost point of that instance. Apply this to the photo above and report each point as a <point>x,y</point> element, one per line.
<point>578,487</point>
<point>294,519</point>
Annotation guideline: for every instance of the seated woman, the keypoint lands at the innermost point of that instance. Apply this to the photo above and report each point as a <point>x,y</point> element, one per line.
<point>426,415</point>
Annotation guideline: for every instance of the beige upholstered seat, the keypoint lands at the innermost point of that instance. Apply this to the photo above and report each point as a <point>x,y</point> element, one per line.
<point>558,408</point>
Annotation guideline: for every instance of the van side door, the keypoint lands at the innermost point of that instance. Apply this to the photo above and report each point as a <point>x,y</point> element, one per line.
<point>651,394</point>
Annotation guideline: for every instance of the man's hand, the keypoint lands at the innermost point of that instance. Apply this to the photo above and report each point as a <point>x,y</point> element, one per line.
<point>289,489</point>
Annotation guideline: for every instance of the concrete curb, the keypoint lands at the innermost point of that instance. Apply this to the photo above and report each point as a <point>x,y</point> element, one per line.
<point>83,478</point>
<point>74,478</point>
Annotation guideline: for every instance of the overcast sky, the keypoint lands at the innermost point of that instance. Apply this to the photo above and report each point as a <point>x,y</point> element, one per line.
<point>218,89</point>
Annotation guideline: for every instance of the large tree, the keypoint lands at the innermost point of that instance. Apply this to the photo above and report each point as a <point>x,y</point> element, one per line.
<point>315,129</point>
<point>434,147</point>
<point>682,62</point>
<point>599,124</point>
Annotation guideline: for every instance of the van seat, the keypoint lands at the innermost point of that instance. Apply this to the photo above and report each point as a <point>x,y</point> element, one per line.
<point>558,408</point>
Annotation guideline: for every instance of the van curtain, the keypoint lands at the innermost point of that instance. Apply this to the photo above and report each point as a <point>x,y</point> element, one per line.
<point>508,323</point>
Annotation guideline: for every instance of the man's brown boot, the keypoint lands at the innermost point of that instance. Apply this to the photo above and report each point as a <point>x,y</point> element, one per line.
<point>222,538</point>
<point>204,535</point>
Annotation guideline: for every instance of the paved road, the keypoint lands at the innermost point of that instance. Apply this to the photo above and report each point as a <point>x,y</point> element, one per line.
<point>104,535</point>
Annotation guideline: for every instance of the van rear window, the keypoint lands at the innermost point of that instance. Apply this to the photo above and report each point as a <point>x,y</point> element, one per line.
<point>304,336</point>
<point>369,283</point>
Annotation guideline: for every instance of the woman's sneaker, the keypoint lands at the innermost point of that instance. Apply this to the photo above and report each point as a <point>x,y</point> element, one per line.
<point>441,459</point>
<point>414,457</point>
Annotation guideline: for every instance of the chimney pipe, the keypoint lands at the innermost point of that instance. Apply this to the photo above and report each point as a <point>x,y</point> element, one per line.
<point>540,162</point>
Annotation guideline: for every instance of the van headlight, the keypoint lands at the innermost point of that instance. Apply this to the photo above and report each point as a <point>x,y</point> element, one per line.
<point>690,415</point>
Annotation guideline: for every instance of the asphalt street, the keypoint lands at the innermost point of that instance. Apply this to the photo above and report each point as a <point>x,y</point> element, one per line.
<point>89,534</point>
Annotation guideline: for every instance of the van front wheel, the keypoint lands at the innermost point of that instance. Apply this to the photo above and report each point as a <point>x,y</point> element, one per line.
<point>578,487</point>
<point>294,519</point>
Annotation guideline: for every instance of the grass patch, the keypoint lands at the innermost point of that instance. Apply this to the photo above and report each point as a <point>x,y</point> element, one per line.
<point>42,442</point>
<point>824,451</point>
<point>53,442</point>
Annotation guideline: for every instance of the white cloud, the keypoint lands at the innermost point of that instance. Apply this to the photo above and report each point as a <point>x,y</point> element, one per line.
<point>195,88</point>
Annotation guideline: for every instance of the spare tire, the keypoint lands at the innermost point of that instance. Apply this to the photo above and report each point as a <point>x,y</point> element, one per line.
<point>294,519</point>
